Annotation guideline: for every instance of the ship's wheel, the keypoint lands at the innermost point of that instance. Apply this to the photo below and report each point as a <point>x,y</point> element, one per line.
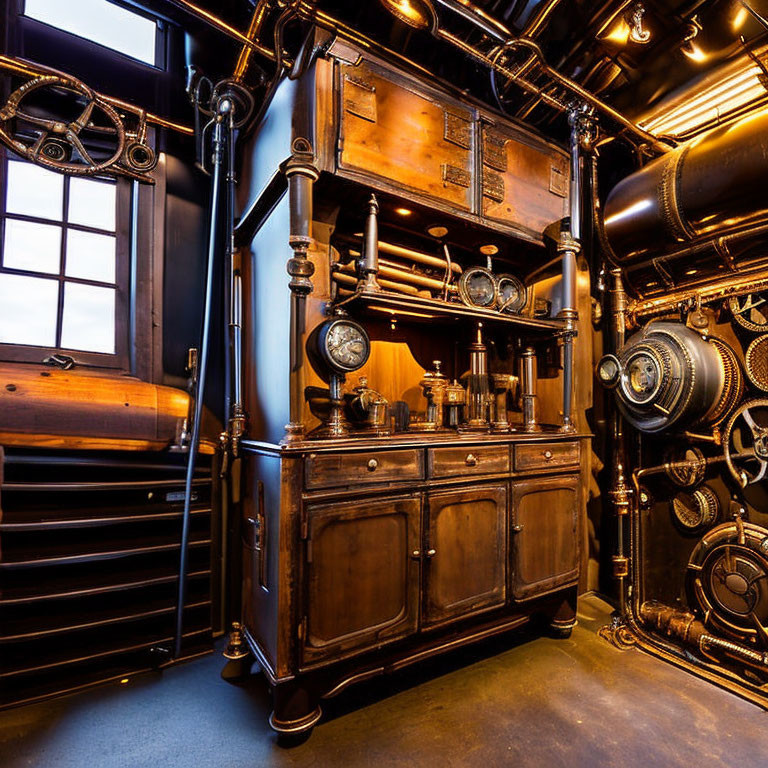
<point>728,580</point>
<point>60,144</point>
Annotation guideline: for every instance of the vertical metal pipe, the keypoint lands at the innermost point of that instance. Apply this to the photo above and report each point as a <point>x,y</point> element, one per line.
<point>370,262</point>
<point>200,387</point>
<point>302,174</point>
<point>528,384</point>
<point>620,492</point>
<point>133,276</point>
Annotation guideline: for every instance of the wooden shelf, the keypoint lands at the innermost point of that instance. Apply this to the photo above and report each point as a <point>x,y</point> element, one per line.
<point>418,309</point>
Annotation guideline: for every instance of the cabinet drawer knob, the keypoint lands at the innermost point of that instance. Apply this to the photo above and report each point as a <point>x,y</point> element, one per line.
<point>372,464</point>
<point>416,554</point>
<point>517,528</point>
<point>547,455</point>
<point>471,460</point>
<point>431,553</point>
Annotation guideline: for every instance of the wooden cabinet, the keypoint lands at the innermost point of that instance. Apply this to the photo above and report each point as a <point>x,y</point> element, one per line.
<point>465,552</point>
<point>545,544</point>
<point>362,578</point>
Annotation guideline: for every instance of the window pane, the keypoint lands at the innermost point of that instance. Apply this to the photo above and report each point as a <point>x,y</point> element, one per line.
<point>99,21</point>
<point>92,203</point>
<point>34,191</point>
<point>32,246</point>
<point>89,318</point>
<point>28,308</point>
<point>90,256</point>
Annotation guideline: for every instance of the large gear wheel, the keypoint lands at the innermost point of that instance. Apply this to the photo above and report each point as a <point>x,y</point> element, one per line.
<point>745,442</point>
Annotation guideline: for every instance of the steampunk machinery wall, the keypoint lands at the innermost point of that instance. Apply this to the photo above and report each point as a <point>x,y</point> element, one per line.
<point>684,234</point>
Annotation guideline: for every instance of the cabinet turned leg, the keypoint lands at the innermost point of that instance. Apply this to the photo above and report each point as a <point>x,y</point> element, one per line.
<point>295,711</point>
<point>564,618</point>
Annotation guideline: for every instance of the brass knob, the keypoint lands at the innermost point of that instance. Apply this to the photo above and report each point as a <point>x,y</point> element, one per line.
<point>471,460</point>
<point>517,528</point>
<point>547,455</point>
<point>372,464</point>
<point>416,554</point>
<point>431,553</point>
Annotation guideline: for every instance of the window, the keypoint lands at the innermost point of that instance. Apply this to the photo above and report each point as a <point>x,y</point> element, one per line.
<point>102,22</point>
<point>61,265</point>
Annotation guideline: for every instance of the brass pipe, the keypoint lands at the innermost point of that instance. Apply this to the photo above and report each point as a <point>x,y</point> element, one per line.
<point>346,279</point>
<point>254,30</point>
<point>734,285</point>
<point>539,19</point>
<point>418,256</point>
<point>28,69</point>
<point>222,26</point>
<point>402,275</point>
<point>565,82</point>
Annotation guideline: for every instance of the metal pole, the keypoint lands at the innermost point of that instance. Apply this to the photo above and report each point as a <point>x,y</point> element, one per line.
<point>223,108</point>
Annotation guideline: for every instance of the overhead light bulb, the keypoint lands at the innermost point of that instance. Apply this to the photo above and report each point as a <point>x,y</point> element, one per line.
<point>418,14</point>
<point>637,32</point>
<point>740,18</point>
<point>694,53</point>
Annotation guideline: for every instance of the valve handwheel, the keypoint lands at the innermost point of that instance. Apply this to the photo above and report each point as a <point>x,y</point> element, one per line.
<point>60,131</point>
<point>745,440</point>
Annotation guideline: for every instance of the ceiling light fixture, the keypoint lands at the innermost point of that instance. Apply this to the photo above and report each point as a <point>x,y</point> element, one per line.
<point>418,14</point>
<point>637,32</point>
<point>403,211</point>
<point>712,105</point>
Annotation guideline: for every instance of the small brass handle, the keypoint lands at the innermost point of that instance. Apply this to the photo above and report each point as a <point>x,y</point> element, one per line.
<point>431,553</point>
<point>372,464</point>
<point>416,554</point>
<point>547,455</point>
<point>471,460</point>
<point>517,528</point>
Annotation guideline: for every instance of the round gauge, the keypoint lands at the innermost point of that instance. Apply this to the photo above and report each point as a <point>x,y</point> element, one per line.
<point>477,287</point>
<point>609,370</point>
<point>343,345</point>
<point>696,510</point>
<point>512,294</point>
<point>641,377</point>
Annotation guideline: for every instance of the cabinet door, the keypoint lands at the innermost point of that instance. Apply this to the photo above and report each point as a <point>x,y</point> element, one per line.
<point>545,534</point>
<point>465,552</point>
<point>362,579</point>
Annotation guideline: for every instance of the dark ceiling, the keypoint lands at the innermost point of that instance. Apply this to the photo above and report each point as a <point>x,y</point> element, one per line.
<point>582,39</point>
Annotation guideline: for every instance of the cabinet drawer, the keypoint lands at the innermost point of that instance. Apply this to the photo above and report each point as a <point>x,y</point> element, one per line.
<point>545,455</point>
<point>446,462</point>
<point>331,470</point>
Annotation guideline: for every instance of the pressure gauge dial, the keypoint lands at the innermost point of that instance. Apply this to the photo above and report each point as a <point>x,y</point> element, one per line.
<point>512,294</point>
<point>477,287</point>
<point>609,371</point>
<point>343,345</point>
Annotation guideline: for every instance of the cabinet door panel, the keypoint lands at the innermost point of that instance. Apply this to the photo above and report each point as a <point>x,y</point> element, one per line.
<point>545,545</point>
<point>362,581</point>
<point>466,573</point>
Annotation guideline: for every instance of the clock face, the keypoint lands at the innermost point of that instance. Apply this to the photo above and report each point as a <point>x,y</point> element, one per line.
<point>346,346</point>
<point>512,294</point>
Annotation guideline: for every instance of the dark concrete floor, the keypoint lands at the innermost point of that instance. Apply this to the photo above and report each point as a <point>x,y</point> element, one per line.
<point>542,704</point>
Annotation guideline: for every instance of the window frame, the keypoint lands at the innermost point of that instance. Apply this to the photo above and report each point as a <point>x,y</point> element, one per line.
<point>161,43</point>
<point>124,215</point>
